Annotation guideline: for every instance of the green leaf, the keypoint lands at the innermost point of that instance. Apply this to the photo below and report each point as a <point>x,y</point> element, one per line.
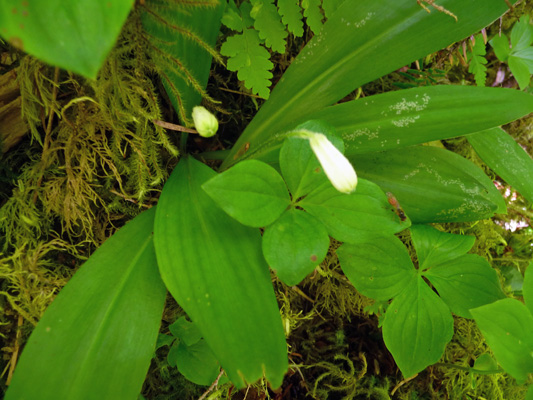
<point>529,394</point>
<point>361,42</point>
<point>465,282</point>
<point>313,15</point>
<point>210,262</point>
<point>186,38</point>
<point>268,24</point>
<point>232,17</point>
<point>454,188</point>
<point>300,167</point>
<point>330,6</point>
<point>434,247</point>
<point>477,61</point>
<point>500,44</point>
<point>380,268</point>
<point>196,362</point>
<point>406,117</point>
<point>76,36</point>
<point>485,363</point>
<point>291,15</point>
<point>522,34</point>
<point>99,334</point>
<point>164,340</point>
<point>507,325</point>
<point>527,288</point>
<point>354,217</point>
<point>520,70</point>
<point>252,192</point>
<point>186,331</point>
<point>250,59</point>
<point>417,327</point>
<point>294,245</point>
<point>526,56</point>
<point>496,148</point>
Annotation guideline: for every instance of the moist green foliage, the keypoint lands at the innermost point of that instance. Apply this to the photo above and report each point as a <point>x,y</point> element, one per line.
<point>261,25</point>
<point>477,60</point>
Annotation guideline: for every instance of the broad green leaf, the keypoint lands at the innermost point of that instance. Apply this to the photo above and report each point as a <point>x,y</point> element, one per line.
<point>186,331</point>
<point>527,288</point>
<point>252,192</point>
<point>74,35</point>
<point>294,245</point>
<point>507,325</point>
<point>434,247</point>
<point>291,14</point>
<point>354,217</point>
<point>501,47</point>
<point>268,24</point>
<point>406,117</point>
<point>529,394</point>
<point>465,282</point>
<point>379,268</point>
<point>526,55</point>
<point>521,34</point>
<point>432,184</point>
<point>184,39</point>
<point>417,327</point>
<point>196,362</point>
<point>361,42</point>
<point>97,338</point>
<point>505,157</point>
<point>485,363</point>
<point>213,266</point>
<point>520,70</point>
<point>250,59</point>
<point>300,167</point>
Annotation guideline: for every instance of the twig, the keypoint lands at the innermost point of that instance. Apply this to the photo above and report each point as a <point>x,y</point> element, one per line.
<point>399,385</point>
<point>213,385</point>
<point>14,356</point>
<point>173,127</point>
<point>48,134</point>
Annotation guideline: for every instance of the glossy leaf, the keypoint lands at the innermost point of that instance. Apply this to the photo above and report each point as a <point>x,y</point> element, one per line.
<point>406,117</point>
<point>507,325</point>
<point>432,184</point>
<point>465,282</point>
<point>252,192</point>
<point>505,157</point>
<point>380,268</point>
<point>361,42</point>
<point>300,167</point>
<point>72,35</point>
<point>417,327</point>
<point>294,245</point>
<point>97,338</point>
<point>434,247</point>
<point>210,264</point>
<point>354,217</point>
<point>183,36</point>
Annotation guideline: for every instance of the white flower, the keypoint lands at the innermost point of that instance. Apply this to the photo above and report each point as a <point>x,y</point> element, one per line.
<point>337,167</point>
<point>205,123</point>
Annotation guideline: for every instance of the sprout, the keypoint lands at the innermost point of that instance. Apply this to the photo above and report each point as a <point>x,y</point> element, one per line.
<point>205,123</point>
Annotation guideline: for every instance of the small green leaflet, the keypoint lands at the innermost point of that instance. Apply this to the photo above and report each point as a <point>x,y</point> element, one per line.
<point>291,15</point>
<point>313,15</point>
<point>477,60</point>
<point>520,55</point>
<point>268,24</point>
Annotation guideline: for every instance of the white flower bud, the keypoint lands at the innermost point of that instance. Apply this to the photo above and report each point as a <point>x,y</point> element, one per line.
<point>205,123</point>
<point>337,168</point>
